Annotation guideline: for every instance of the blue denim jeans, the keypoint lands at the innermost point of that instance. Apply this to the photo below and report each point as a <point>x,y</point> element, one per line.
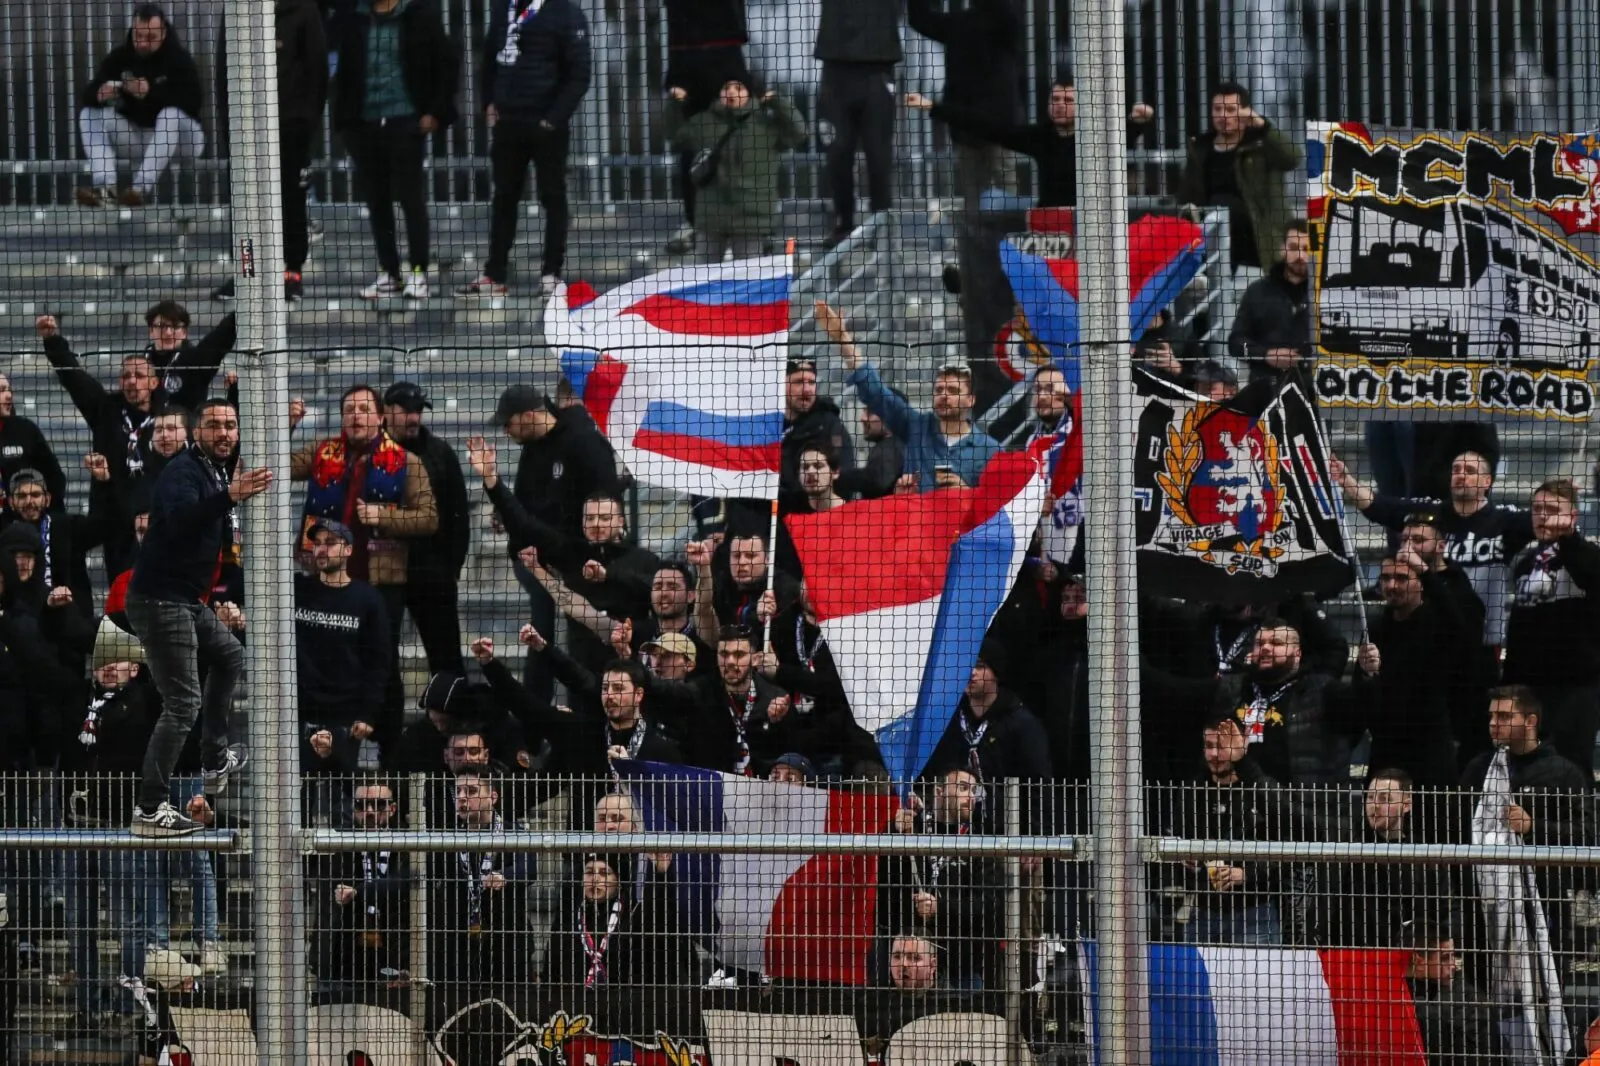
<point>136,906</point>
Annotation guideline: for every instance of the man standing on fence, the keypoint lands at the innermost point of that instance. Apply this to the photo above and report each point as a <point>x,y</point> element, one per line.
<point>535,71</point>
<point>144,104</point>
<point>192,526</point>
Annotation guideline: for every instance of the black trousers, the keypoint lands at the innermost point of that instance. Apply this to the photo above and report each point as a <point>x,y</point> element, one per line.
<point>293,158</point>
<point>1571,717</point>
<point>517,144</point>
<point>388,160</point>
<point>700,72</point>
<point>857,102</point>
<point>387,731</point>
<point>431,599</point>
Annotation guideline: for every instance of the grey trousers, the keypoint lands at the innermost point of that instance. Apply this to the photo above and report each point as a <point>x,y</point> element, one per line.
<point>108,138</point>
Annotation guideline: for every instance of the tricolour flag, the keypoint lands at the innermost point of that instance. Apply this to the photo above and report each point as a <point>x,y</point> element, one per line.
<point>801,917</point>
<point>904,588</point>
<point>683,371</point>
<point>1237,1006</point>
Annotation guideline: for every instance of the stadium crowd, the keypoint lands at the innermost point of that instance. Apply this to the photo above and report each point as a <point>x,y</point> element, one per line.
<point>1259,722</point>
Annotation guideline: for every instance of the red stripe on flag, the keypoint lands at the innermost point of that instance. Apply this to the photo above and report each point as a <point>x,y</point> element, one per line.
<point>1372,1008</point>
<point>601,387</point>
<point>822,922</point>
<point>673,315</point>
<point>894,551</point>
<point>709,452</point>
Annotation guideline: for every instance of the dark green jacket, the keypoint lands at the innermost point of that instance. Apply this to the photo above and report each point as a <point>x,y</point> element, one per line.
<point>744,196</point>
<point>1260,162</point>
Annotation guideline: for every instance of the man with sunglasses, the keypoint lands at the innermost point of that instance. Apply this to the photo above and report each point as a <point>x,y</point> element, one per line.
<point>943,449</point>
<point>362,937</point>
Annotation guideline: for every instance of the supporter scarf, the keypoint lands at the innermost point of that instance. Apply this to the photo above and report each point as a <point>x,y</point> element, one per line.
<point>88,733</point>
<point>1260,711</point>
<point>741,765</point>
<point>340,476</point>
<point>133,430</point>
<point>808,659</point>
<point>1228,661</point>
<point>232,550</point>
<point>44,553</point>
<point>372,868</point>
<point>595,972</point>
<point>635,742</point>
<point>973,734</point>
<point>475,867</point>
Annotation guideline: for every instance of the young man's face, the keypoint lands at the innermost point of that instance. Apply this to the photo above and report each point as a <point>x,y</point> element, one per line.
<point>912,963</point>
<point>816,476</point>
<point>747,560</point>
<point>403,424</point>
<point>475,801</point>
<point>1064,105</point>
<point>1276,649</point>
<point>600,882</point>
<point>1049,394</point>
<point>1399,584</point>
<point>27,562</point>
<point>615,814</point>
<point>1509,727</point>
<point>787,774</point>
<point>1296,255</point>
<point>1220,754</point>
<point>217,432</point>
<point>956,796</point>
<point>169,435</point>
<point>981,683</point>
<point>1424,540</point>
<point>1388,803</point>
<point>952,395</point>
<point>115,675</point>
<point>1553,516</point>
<point>8,401</point>
<point>734,661</point>
<point>329,552</point>
<point>670,666</point>
<point>620,699</point>
<point>735,95</point>
<point>602,521</point>
<point>167,334</point>
<point>1227,116</point>
<point>669,593</point>
<point>800,392</point>
<point>148,35</point>
<point>1470,478</point>
<point>466,751</point>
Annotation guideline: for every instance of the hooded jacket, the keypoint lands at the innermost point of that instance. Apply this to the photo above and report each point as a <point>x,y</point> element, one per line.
<point>743,197</point>
<point>1553,626</point>
<point>174,80</point>
<point>552,70</point>
<point>24,447</point>
<point>821,425</point>
<point>1260,162</point>
<point>31,680</point>
<point>104,733</point>
<point>1273,313</point>
<point>560,470</point>
<point>429,61</point>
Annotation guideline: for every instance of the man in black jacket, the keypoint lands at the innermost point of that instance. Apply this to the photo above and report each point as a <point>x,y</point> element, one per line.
<point>1052,144</point>
<point>23,447</point>
<point>564,460</point>
<point>1553,627</point>
<point>66,540</point>
<point>433,566</point>
<point>143,104</point>
<point>705,48</point>
<point>858,42</point>
<point>192,526</point>
<point>810,420</point>
<point>387,116</point>
<point>993,735</point>
<point>535,67</point>
<point>364,918</point>
<point>1271,335</point>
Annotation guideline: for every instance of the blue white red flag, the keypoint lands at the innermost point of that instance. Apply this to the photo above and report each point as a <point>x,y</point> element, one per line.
<point>683,371</point>
<point>1164,254</point>
<point>904,588</point>
<point>1235,1006</point>
<point>800,917</point>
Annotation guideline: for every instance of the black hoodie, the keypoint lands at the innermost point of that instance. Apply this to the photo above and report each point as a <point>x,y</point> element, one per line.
<point>24,447</point>
<point>31,681</point>
<point>819,426</point>
<point>174,80</point>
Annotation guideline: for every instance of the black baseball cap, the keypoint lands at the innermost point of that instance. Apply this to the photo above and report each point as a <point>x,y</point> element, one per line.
<point>517,400</point>
<point>337,528</point>
<point>408,396</point>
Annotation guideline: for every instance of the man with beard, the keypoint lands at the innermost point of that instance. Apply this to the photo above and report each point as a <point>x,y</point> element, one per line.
<point>876,476</point>
<point>1271,335</point>
<point>433,566</point>
<point>599,565</point>
<point>737,722</point>
<point>743,600</point>
<point>191,527</point>
<point>1423,623</point>
<point>1299,725</point>
<point>799,662</point>
<point>673,612</point>
<point>1553,626</point>
<point>366,481</point>
<point>952,899</point>
<point>993,735</point>
<point>588,743</point>
<point>342,649</point>
<point>66,541</point>
<point>943,448</point>
<point>23,447</point>
<point>819,477</point>
<point>364,921</point>
<point>809,420</point>
<point>1377,905</point>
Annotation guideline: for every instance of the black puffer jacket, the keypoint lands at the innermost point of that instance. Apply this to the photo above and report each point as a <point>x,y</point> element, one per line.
<point>551,73</point>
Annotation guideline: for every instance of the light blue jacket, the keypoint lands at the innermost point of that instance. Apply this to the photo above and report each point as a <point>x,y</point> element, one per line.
<point>926,446</point>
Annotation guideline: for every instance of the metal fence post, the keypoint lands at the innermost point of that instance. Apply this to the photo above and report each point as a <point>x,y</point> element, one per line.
<point>1123,1033</point>
<point>277,902</point>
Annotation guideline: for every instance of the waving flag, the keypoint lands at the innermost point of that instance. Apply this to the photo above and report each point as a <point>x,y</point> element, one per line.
<point>1229,1006</point>
<point>1164,254</point>
<point>905,587</point>
<point>802,917</point>
<point>683,372</point>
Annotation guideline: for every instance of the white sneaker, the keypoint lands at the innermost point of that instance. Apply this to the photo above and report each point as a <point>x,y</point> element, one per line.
<point>213,959</point>
<point>385,288</point>
<point>165,821</point>
<point>416,286</point>
<point>722,979</point>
